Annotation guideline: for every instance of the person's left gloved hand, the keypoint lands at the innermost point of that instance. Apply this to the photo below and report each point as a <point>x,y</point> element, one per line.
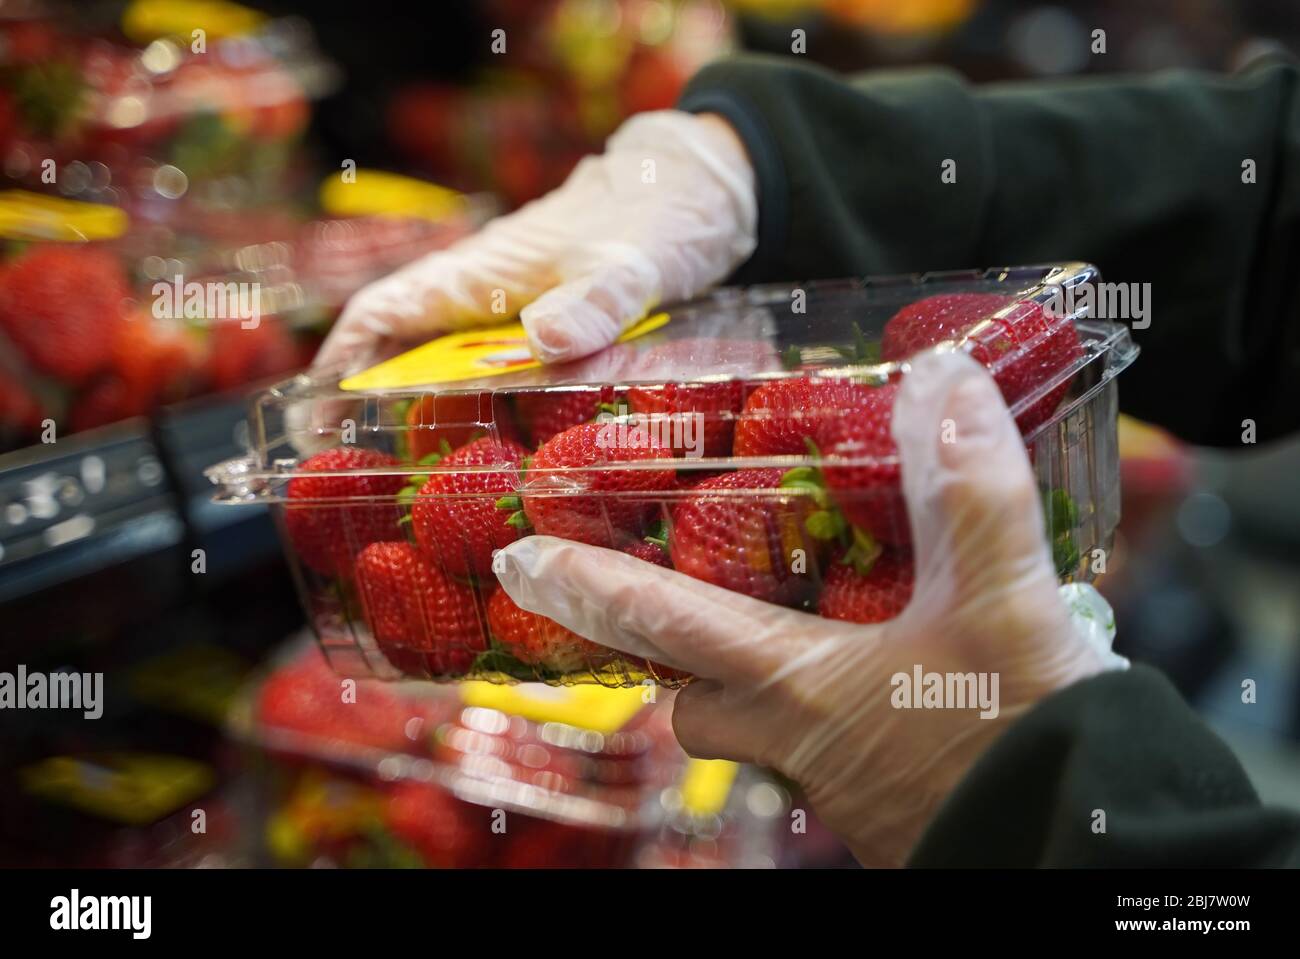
<point>668,210</point>
<point>812,697</point>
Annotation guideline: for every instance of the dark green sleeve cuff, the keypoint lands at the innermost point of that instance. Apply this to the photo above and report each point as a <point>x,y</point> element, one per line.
<point>1120,752</point>
<point>1145,177</point>
<point>849,174</point>
<point>706,95</point>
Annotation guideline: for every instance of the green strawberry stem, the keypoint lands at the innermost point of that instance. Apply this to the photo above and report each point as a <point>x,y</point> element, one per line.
<point>498,659</point>
<point>415,482</point>
<point>657,534</point>
<point>518,518</point>
<point>863,351</point>
<point>1059,511</point>
<point>1065,555</point>
<point>863,552</point>
<point>827,523</point>
<point>407,495</point>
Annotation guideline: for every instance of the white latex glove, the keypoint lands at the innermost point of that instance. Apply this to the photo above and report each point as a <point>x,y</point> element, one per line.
<point>811,697</point>
<point>665,212</point>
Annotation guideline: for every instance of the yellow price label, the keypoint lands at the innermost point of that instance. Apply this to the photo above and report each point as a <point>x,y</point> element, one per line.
<point>706,784</point>
<point>467,355</point>
<point>146,20</point>
<point>378,193</point>
<point>598,708</point>
<point>32,216</point>
<point>134,788</point>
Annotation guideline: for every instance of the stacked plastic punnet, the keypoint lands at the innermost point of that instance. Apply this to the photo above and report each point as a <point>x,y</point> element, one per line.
<point>743,439</point>
<point>104,317</point>
<point>156,109</point>
<point>484,775</point>
<point>90,339</point>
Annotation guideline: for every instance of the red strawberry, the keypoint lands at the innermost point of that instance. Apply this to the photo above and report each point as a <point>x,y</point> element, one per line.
<point>450,418</point>
<point>780,417</point>
<point>458,528</point>
<point>20,411</point>
<point>283,120</point>
<point>540,844</point>
<point>307,697</point>
<point>869,494</point>
<point>654,547</point>
<point>879,594</point>
<point>947,316</point>
<point>711,405</point>
<point>1023,350</point>
<point>61,306</point>
<point>739,532</point>
<point>151,363</point>
<point>109,399</point>
<point>717,403</point>
<point>30,41</point>
<point>329,519</point>
<point>238,355</point>
<point>562,497</point>
<point>652,79</point>
<point>689,479</point>
<point>547,413</point>
<point>10,120</point>
<point>539,641</point>
<point>650,552</point>
<point>436,825</point>
<point>424,622</point>
<point>159,360</point>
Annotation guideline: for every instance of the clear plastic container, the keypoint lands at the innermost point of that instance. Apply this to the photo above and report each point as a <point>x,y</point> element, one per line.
<point>462,777</point>
<point>742,438</point>
<point>89,336</point>
<point>154,117</point>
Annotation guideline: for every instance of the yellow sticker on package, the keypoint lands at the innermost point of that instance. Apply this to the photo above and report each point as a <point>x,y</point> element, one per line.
<point>379,193</point>
<point>467,355</point>
<point>596,708</point>
<point>706,785</point>
<point>34,216</point>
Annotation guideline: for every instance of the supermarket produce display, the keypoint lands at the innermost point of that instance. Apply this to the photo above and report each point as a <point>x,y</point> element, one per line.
<point>307,431</point>
<point>146,114</point>
<point>739,439</point>
<point>574,71</point>
<point>480,776</point>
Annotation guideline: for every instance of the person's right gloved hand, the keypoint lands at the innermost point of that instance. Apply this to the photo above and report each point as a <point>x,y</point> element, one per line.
<point>814,697</point>
<point>665,212</point>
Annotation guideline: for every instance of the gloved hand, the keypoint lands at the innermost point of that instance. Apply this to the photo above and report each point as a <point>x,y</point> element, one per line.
<point>668,210</point>
<point>810,696</point>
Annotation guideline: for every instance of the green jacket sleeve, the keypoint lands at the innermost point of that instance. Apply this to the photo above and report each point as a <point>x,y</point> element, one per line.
<point>1125,745</point>
<point>1143,177</point>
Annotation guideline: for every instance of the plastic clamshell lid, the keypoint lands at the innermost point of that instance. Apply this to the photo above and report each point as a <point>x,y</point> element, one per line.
<point>749,333</point>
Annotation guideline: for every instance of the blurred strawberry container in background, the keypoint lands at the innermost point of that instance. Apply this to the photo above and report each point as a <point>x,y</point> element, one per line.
<point>89,341</point>
<point>374,222</point>
<point>152,114</point>
<point>482,775</point>
<point>742,439</point>
<point>106,318</point>
<point>576,70</point>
